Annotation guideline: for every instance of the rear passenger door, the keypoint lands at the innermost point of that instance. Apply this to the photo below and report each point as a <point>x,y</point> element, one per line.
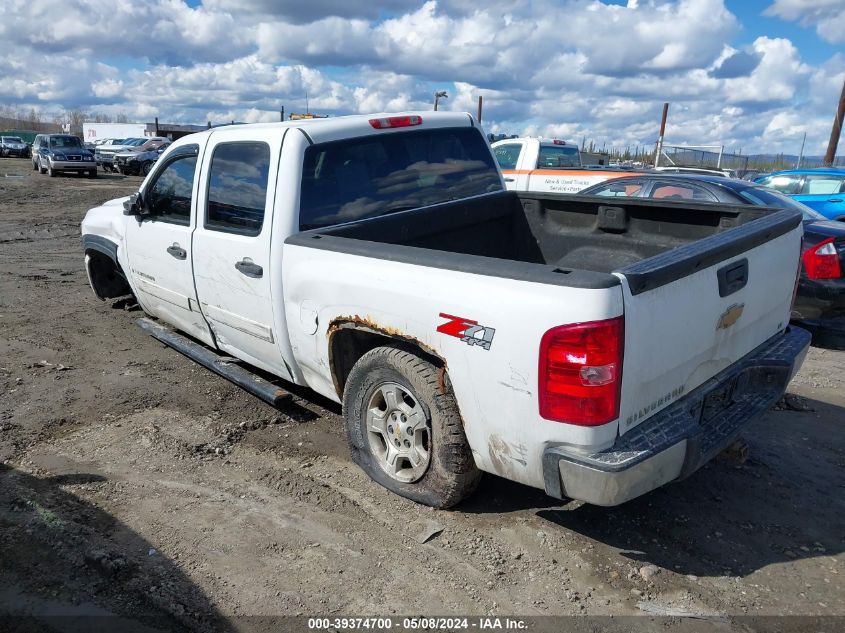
<point>231,247</point>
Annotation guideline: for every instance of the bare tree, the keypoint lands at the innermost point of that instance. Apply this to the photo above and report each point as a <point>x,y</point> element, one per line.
<point>121,118</point>
<point>33,119</point>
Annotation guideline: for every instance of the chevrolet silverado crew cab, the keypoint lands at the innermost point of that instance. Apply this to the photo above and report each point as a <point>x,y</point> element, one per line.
<point>593,348</point>
<point>547,165</point>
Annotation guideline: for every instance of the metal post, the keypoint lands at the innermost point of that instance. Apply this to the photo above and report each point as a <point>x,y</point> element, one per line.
<point>836,130</point>
<point>719,160</point>
<point>282,114</point>
<point>156,126</point>
<point>801,153</point>
<point>479,109</point>
<point>659,148</point>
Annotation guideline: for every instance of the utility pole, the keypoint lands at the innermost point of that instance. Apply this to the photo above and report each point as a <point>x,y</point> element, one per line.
<point>659,149</point>
<point>282,114</point>
<point>801,153</point>
<point>440,94</point>
<point>479,109</point>
<point>836,131</point>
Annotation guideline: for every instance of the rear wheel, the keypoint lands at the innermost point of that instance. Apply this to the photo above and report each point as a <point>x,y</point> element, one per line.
<point>92,173</point>
<point>145,167</point>
<point>404,428</point>
<point>50,171</point>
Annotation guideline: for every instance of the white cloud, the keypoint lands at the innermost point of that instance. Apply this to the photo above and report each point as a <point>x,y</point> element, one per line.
<point>827,16</point>
<point>568,68</point>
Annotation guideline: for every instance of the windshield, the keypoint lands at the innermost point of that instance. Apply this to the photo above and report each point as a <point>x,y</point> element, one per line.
<point>134,142</point>
<point>12,139</point>
<point>63,142</point>
<point>385,173</point>
<point>771,198</point>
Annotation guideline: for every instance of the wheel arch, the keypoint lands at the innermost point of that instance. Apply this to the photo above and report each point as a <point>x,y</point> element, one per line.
<point>104,272</point>
<point>351,337</point>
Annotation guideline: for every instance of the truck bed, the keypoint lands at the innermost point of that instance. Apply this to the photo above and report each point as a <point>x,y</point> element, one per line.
<point>566,240</point>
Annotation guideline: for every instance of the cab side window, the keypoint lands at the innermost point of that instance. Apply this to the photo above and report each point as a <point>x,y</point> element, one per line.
<point>237,187</point>
<point>822,184</point>
<point>507,155</point>
<point>784,183</point>
<point>169,197</point>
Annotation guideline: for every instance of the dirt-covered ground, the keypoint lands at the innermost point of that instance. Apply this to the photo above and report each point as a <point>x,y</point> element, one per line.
<point>134,483</point>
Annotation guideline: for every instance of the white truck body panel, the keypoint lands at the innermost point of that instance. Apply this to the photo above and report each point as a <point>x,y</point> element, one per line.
<point>673,336</point>
<point>496,388</point>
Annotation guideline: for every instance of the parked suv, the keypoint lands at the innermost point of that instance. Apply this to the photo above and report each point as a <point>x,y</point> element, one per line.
<point>138,160</point>
<point>54,153</point>
<point>13,146</point>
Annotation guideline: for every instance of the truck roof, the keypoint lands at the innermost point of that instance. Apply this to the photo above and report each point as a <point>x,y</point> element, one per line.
<point>329,129</point>
<point>542,140</point>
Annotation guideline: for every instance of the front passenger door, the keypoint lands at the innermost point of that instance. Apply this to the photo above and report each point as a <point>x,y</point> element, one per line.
<point>158,244</point>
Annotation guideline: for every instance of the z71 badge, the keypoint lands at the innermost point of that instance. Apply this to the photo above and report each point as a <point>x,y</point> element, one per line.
<point>467,330</point>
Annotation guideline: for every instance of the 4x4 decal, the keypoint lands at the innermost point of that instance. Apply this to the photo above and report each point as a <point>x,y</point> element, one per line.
<point>469,331</point>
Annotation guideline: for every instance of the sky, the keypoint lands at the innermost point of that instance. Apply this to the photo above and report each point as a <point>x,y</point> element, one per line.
<point>753,75</point>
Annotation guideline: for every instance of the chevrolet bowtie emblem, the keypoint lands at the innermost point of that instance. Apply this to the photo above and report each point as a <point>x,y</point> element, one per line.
<point>730,316</point>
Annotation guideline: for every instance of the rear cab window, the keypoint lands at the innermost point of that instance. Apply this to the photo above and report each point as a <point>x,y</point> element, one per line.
<point>558,157</point>
<point>352,179</point>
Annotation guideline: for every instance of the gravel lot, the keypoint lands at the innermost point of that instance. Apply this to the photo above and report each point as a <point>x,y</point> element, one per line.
<point>135,483</point>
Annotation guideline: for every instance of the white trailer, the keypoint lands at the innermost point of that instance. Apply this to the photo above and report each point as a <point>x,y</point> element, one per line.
<point>96,131</point>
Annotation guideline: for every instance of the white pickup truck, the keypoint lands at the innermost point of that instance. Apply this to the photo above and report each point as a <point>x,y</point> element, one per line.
<point>593,349</point>
<point>547,165</point>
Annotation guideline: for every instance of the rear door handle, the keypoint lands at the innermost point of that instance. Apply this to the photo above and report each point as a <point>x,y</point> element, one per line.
<point>249,268</point>
<point>835,200</point>
<point>177,251</point>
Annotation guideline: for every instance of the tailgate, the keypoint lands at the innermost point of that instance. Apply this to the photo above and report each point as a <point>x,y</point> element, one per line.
<point>693,311</point>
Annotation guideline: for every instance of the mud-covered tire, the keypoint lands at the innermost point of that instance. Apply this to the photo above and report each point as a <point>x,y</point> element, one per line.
<point>451,474</point>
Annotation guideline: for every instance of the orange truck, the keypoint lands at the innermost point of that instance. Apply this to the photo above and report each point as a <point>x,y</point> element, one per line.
<point>547,165</point>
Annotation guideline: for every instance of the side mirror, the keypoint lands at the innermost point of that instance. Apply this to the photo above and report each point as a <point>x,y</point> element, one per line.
<point>134,205</point>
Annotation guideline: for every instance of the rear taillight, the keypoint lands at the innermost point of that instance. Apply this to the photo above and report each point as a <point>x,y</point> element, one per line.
<point>396,121</point>
<point>821,261</point>
<point>580,372</point>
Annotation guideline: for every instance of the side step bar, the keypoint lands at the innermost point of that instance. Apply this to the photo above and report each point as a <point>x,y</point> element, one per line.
<point>222,365</point>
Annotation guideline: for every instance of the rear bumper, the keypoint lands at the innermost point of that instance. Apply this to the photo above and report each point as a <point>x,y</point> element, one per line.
<point>677,441</point>
<point>820,299</point>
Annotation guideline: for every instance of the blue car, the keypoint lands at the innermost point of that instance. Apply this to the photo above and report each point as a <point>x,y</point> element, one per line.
<point>820,189</point>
